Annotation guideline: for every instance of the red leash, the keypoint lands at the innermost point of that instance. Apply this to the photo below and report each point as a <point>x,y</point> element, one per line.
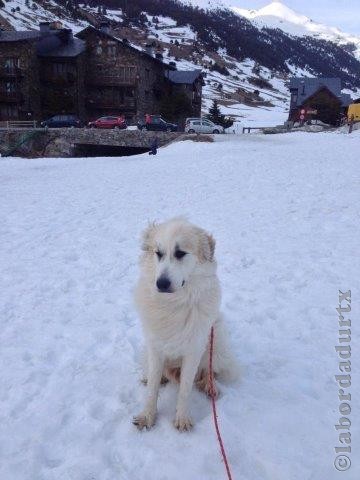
<point>212,396</point>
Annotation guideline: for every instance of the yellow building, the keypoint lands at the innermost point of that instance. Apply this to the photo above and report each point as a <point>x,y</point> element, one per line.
<point>354,110</point>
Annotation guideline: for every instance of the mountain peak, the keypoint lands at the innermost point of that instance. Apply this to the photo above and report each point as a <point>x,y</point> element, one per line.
<point>276,9</point>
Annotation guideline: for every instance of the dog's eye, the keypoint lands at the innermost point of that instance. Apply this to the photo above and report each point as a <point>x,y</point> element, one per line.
<point>159,255</point>
<point>179,254</point>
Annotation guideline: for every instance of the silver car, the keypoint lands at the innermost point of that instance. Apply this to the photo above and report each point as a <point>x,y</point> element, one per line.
<point>202,125</point>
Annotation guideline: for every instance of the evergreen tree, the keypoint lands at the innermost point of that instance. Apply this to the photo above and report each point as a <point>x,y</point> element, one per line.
<point>217,117</point>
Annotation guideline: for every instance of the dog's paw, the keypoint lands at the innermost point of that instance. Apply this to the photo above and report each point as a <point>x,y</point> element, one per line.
<point>183,423</point>
<point>204,385</point>
<point>144,420</point>
<point>163,380</point>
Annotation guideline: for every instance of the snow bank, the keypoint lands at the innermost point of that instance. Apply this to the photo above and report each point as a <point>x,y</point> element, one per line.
<point>284,211</point>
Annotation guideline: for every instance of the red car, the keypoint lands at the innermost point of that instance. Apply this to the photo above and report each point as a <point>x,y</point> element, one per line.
<point>108,122</point>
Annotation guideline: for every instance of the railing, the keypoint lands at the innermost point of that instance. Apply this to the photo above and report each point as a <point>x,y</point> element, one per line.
<point>8,124</point>
<point>10,97</point>
<point>110,104</point>
<point>25,138</point>
<point>66,79</point>
<point>10,72</point>
<point>110,81</point>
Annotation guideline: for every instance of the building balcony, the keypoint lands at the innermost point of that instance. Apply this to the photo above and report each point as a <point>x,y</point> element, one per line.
<point>11,72</point>
<point>110,81</point>
<point>115,104</point>
<point>10,97</point>
<point>65,79</point>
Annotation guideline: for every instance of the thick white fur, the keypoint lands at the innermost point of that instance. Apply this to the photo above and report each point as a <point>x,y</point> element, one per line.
<point>177,325</point>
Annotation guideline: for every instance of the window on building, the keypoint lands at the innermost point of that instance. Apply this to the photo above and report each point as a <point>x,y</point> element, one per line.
<point>111,50</point>
<point>7,87</point>
<point>118,96</point>
<point>12,63</point>
<point>60,69</point>
<point>126,74</point>
<point>129,92</point>
<point>147,74</point>
<point>294,97</point>
<point>9,112</point>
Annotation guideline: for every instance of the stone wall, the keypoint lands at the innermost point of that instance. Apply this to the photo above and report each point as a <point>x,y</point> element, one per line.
<point>63,142</point>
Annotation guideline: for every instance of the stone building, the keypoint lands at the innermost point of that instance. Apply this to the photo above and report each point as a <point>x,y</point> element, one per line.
<point>50,71</point>
<point>41,73</point>
<point>189,82</point>
<point>19,75</point>
<point>62,74</point>
<point>121,78</point>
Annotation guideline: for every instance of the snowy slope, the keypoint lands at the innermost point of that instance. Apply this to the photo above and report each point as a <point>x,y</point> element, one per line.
<point>278,15</point>
<point>284,212</point>
<point>29,17</point>
<point>206,4</point>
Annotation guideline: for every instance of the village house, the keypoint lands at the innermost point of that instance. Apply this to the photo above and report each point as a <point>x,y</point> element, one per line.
<point>51,71</point>
<point>190,83</point>
<point>317,99</point>
<point>19,75</point>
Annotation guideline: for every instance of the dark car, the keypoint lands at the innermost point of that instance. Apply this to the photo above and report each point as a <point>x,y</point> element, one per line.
<point>59,121</point>
<point>156,123</point>
<point>109,122</point>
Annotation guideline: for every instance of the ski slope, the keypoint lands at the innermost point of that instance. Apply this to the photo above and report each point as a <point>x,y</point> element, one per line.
<point>284,211</point>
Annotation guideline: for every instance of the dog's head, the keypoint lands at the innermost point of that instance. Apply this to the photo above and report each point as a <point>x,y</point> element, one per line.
<point>176,249</point>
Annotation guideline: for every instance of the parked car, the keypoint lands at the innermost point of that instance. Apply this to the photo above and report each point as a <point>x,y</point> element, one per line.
<point>59,121</point>
<point>202,125</point>
<point>109,122</point>
<point>157,123</point>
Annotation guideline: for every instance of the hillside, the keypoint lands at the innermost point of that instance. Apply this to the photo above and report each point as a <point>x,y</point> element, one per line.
<point>247,62</point>
<point>278,15</point>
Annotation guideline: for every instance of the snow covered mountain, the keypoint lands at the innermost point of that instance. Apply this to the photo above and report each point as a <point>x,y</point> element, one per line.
<point>278,15</point>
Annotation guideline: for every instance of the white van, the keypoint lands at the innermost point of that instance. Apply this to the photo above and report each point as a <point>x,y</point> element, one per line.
<point>202,125</point>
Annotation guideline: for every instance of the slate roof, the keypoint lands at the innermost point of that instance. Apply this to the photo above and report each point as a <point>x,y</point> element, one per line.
<point>184,76</point>
<point>308,86</point>
<point>18,36</point>
<point>73,48</point>
<point>346,99</point>
<point>124,43</point>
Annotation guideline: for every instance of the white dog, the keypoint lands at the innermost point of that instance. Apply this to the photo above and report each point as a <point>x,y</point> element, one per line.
<point>178,298</point>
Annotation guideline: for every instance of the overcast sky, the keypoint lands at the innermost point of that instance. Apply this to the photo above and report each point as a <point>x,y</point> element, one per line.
<point>344,14</point>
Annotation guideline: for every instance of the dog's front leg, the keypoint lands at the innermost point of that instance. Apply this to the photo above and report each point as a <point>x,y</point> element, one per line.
<point>189,367</point>
<point>146,419</point>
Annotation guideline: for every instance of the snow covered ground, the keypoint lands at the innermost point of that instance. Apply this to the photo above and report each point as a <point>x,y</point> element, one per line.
<point>285,212</point>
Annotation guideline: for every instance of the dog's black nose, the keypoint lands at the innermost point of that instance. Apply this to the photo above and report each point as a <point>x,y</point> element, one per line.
<point>163,284</point>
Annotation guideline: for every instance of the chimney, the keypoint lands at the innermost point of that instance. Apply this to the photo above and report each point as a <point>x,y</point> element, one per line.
<point>65,35</point>
<point>105,27</point>
<point>149,49</point>
<point>44,28</point>
<point>172,64</point>
<point>159,56</point>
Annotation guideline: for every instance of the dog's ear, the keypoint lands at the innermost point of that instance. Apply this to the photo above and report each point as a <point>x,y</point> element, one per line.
<point>148,237</point>
<point>206,246</point>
